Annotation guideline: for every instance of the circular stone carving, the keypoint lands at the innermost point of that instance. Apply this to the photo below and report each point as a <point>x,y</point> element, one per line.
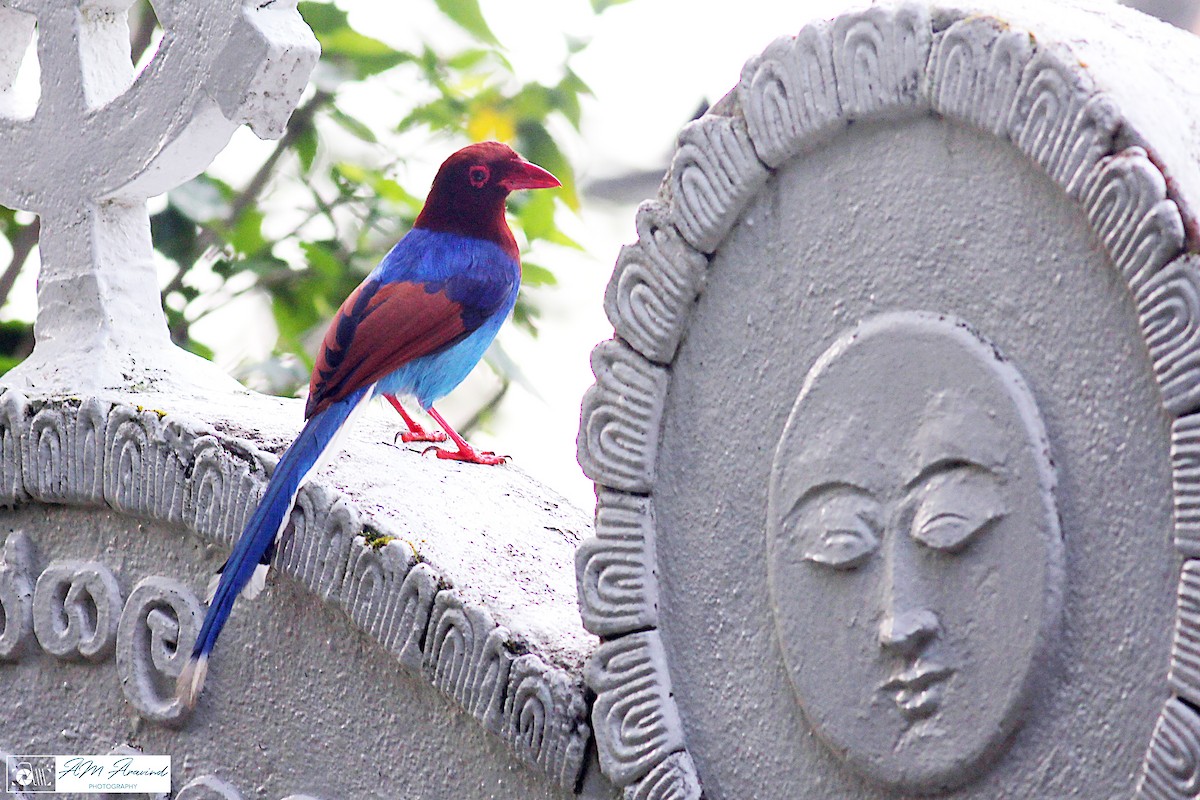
<point>825,240</point>
<point>914,552</point>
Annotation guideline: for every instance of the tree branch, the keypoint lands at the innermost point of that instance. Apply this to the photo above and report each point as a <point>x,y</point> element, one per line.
<point>143,34</point>
<point>300,123</point>
<point>22,242</point>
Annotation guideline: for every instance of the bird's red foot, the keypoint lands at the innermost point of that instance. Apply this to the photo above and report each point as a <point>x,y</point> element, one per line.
<point>468,455</point>
<point>420,435</point>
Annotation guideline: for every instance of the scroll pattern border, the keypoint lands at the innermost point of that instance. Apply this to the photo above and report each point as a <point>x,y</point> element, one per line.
<point>882,63</point>
<point>143,463</point>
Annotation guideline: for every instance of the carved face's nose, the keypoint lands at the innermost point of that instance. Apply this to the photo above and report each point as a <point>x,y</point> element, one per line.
<point>908,632</point>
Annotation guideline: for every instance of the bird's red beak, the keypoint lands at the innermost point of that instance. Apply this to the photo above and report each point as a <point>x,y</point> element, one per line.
<point>523,175</point>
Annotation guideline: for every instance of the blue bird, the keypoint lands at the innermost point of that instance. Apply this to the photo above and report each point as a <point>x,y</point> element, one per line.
<point>415,326</point>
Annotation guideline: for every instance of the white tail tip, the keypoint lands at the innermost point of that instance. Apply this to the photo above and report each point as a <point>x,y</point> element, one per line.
<point>257,582</point>
<point>191,681</point>
<point>211,591</point>
<point>252,589</point>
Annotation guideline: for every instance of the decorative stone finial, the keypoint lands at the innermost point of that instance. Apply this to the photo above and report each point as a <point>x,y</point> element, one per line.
<point>221,63</point>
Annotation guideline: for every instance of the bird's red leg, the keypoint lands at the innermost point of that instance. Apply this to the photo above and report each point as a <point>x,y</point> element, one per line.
<point>415,432</point>
<point>465,451</point>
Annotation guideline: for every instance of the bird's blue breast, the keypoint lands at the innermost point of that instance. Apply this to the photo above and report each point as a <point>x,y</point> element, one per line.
<point>475,274</point>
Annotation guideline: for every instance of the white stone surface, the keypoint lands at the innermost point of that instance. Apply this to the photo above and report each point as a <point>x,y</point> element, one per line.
<point>459,576</point>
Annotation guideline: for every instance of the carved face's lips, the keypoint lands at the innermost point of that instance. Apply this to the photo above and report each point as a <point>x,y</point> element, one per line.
<point>917,690</point>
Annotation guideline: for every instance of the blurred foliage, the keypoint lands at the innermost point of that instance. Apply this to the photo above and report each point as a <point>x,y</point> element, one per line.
<point>347,200</point>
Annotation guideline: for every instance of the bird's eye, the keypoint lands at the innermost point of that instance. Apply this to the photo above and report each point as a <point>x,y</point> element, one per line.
<point>478,175</point>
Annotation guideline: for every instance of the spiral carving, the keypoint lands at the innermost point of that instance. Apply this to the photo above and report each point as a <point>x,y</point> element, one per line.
<point>415,604</point>
<point>1172,767</point>
<point>177,471</point>
<point>620,418</point>
<point>13,412</point>
<point>76,606</point>
<point>653,287</point>
<point>317,548</point>
<point>208,787</point>
<point>618,587</point>
<point>634,716</point>
<point>975,67</point>
<point>154,636</point>
<point>454,634</point>
<point>673,778</point>
<point>1185,472</point>
<point>493,661</point>
<point>226,485</point>
<point>1184,675</point>
<point>1126,201</point>
<point>141,475</point>
<point>1169,311</point>
<point>789,95</point>
<point>879,58</point>
<point>1122,190</point>
<point>16,596</point>
<point>62,453</point>
<point>545,718</point>
<point>714,173</point>
<point>371,592</point>
<point>1060,122</point>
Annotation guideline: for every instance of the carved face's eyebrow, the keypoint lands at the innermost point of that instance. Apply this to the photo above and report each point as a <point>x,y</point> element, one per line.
<point>946,464</point>
<point>827,487</point>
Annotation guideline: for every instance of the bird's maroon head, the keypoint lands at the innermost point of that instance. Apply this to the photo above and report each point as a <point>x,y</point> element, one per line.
<point>468,193</point>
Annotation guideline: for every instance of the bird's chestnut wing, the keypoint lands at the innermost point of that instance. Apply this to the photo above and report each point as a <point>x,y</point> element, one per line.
<point>380,327</point>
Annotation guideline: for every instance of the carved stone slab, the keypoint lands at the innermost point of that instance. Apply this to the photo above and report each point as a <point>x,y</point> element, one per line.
<point>121,596</point>
<point>969,232</point>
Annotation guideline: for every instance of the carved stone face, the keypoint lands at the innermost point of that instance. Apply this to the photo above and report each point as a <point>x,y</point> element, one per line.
<point>914,553</point>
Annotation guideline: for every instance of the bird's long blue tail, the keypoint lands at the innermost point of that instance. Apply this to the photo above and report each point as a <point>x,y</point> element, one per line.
<point>256,544</point>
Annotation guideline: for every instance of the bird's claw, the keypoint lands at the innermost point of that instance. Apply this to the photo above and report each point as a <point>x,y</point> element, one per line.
<point>487,457</point>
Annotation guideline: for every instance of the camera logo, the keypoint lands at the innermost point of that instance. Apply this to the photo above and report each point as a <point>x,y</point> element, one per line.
<point>29,774</point>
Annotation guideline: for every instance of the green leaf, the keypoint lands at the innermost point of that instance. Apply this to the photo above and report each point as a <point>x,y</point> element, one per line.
<point>16,342</point>
<point>536,144</point>
<point>525,314</point>
<point>202,350</point>
<point>322,256</point>
<point>354,126</point>
<point>323,18</point>
<point>534,275</point>
<point>174,235</point>
<point>306,148</point>
<point>536,215</point>
<point>600,6</point>
<point>469,59</point>
<point>364,55</point>
<point>350,172</point>
<point>247,237</point>
<point>466,14</point>
<point>202,199</point>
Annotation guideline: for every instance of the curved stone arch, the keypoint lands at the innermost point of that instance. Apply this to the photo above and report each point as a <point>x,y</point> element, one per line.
<point>895,62</point>
<point>91,452</point>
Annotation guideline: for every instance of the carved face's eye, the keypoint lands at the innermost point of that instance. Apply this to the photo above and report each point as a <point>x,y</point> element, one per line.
<point>478,175</point>
<point>954,507</point>
<point>836,526</point>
